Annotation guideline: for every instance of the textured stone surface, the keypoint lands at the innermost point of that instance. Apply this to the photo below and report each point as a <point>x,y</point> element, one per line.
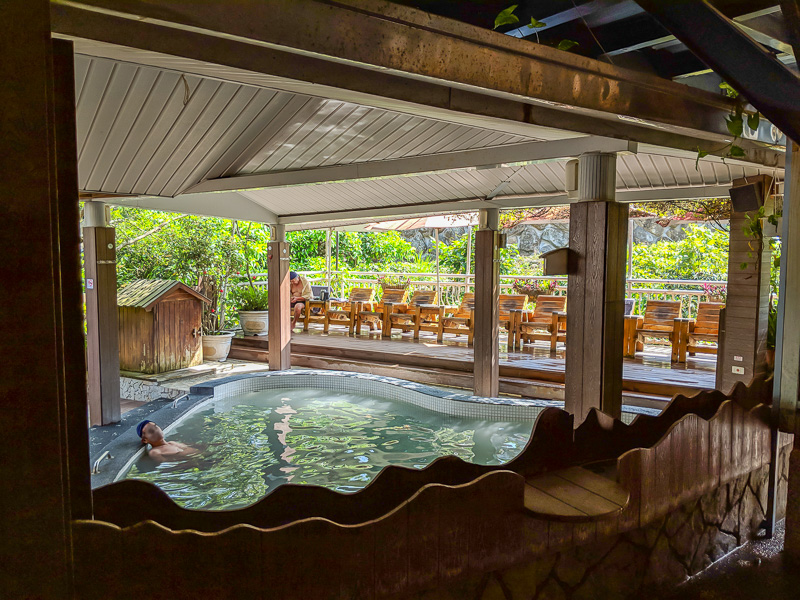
<point>526,579</point>
<point>551,591</point>
<point>639,563</point>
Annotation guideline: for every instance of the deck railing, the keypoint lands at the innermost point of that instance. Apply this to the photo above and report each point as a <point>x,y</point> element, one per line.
<point>453,286</point>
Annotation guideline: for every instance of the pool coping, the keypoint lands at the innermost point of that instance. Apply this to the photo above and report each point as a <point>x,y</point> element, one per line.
<point>123,444</point>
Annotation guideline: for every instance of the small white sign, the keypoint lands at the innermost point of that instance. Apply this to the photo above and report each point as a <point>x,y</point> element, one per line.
<point>90,284</point>
<point>738,358</point>
<point>738,370</point>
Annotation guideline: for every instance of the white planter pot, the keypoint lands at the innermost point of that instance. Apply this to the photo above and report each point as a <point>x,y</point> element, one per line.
<point>254,322</point>
<point>216,347</point>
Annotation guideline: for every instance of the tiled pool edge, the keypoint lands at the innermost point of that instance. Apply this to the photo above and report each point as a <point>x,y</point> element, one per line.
<point>391,388</point>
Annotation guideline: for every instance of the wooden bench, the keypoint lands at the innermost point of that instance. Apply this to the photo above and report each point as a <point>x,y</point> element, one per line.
<point>410,316</point>
<point>547,322</point>
<point>575,494</point>
<point>374,313</point>
<point>705,328</point>
<point>343,312</point>
<point>662,319</point>
<point>459,320</point>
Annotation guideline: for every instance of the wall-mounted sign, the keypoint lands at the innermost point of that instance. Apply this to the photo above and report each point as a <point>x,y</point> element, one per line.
<point>90,284</point>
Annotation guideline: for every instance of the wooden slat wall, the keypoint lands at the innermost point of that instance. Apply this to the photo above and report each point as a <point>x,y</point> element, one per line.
<point>746,308</point>
<point>694,457</point>
<point>595,321</point>
<point>137,350</point>
<point>428,541</point>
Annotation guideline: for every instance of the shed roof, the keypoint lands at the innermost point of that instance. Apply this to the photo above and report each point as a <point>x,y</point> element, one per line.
<point>145,293</point>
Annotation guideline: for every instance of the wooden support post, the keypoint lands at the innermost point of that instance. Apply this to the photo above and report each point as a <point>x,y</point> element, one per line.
<point>39,322</point>
<point>486,345</point>
<point>102,324</point>
<point>786,383</point>
<point>328,258</point>
<point>280,335</point>
<point>596,286</point>
<point>75,422</point>
<point>746,307</point>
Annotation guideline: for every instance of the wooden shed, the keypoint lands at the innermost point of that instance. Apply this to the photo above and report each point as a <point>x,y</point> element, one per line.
<point>159,326</point>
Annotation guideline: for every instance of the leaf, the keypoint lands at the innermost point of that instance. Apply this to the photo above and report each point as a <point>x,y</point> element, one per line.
<point>743,266</point>
<point>506,17</point>
<point>735,125</point>
<point>736,152</point>
<point>700,154</point>
<point>567,45</point>
<point>729,91</point>
<point>753,120</point>
<point>537,24</point>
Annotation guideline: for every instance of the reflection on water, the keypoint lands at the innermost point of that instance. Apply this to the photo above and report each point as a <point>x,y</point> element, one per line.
<point>255,442</point>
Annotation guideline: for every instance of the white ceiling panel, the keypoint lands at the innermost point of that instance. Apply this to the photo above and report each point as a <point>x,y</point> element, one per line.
<point>150,131</point>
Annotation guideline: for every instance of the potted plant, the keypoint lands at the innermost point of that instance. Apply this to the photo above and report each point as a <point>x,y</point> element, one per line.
<point>534,289</point>
<point>252,302</point>
<point>715,293</point>
<point>393,282</point>
<point>216,340</point>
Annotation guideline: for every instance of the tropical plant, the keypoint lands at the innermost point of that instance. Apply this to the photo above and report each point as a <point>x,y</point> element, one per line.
<point>250,297</point>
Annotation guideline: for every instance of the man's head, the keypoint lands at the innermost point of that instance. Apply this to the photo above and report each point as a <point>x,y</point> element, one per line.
<point>293,275</point>
<point>149,432</point>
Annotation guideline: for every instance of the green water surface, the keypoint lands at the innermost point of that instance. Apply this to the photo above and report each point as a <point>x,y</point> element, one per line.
<point>249,445</point>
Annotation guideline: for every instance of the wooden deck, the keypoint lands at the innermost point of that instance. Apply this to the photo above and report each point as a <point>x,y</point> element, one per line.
<point>532,372</point>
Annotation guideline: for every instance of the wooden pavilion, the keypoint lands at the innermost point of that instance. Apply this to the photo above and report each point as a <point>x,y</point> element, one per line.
<point>304,114</point>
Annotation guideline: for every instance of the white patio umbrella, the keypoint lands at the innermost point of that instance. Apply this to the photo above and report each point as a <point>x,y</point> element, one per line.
<point>436,223</point>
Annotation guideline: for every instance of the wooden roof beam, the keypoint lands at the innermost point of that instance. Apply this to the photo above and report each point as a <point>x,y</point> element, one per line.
<point>383,54</point>
<point>447,161</point>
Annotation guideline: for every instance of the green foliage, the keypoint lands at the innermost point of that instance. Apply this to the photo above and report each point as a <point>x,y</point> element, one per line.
<point>249,297</point>
<point>506,17</point>
<point>453,256</point>
<point>567,45</point>
<point>537,24</point>
<point>383,251</point>
<point>702,254</point>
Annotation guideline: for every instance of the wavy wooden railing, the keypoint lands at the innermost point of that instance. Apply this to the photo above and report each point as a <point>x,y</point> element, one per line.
<point>553,445</point>
<point>439,535</point>
<point>412,530</point>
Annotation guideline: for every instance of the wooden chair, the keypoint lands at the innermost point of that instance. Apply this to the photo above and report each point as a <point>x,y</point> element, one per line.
<point>547,322</point>
<point>507,304</point>
<point>705,328</point>
<point>458,320</point>
<point>344,312</point>
<point>374,313</point>
<point>414,315</point>
<point>662,319</point>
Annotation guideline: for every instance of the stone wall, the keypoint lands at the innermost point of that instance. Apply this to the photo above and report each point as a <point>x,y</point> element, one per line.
<point>533,239</point>
<point>640,563</point>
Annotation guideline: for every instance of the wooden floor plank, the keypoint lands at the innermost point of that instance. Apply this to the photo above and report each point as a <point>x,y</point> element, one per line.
<point>650,373</point>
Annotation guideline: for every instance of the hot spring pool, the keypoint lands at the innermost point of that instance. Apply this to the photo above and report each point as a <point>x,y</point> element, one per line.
<point>250,443</point>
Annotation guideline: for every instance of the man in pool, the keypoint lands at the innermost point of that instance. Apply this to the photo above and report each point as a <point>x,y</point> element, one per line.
<point>160,449</point>
<point>300,292</point>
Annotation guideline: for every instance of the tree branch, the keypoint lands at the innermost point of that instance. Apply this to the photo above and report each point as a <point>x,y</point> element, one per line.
<point>149,232</point>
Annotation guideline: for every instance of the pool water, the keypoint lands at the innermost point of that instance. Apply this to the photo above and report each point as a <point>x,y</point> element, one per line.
<point>251,444</point>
